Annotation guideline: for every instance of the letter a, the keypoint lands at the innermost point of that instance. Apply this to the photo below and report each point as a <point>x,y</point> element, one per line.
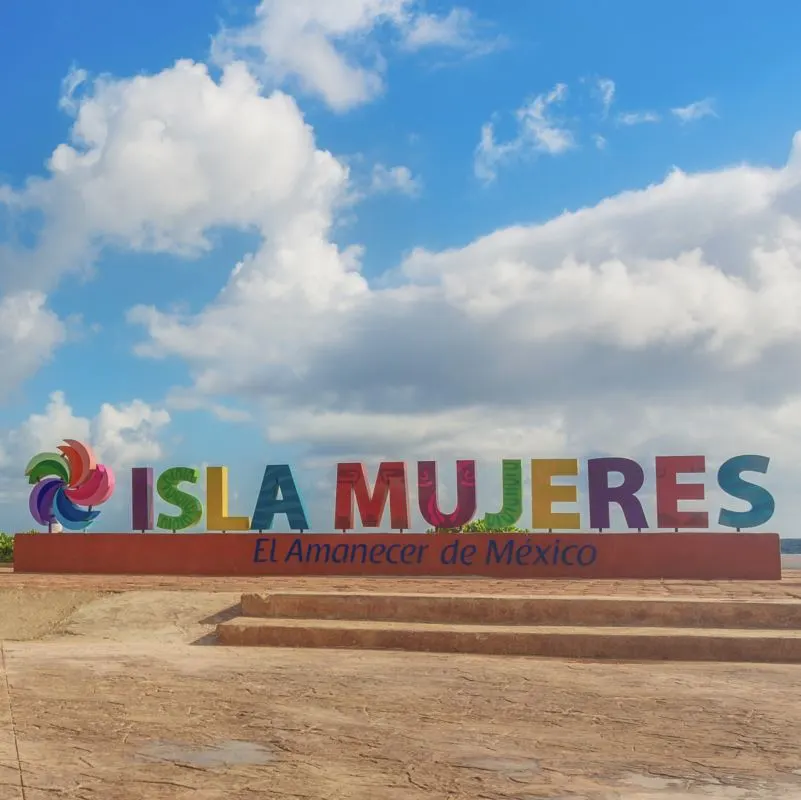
<point>278,480</point>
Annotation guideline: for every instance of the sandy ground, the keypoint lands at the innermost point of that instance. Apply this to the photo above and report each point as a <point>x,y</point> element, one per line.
<point>111,690</point>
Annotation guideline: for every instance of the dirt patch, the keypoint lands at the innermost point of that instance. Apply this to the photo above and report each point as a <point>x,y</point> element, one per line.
<point>163,721</point>
<point>158,617</point>
<point>114,701</point>
<point>30,614</point>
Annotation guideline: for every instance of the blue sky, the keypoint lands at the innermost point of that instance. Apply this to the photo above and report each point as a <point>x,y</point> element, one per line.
<point>407,190</point>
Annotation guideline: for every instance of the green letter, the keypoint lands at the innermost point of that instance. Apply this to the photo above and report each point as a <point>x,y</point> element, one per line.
<point>191,507</point>
<point>512,498</point>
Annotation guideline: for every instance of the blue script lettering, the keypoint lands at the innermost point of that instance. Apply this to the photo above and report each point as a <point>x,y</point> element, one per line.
<point>261,543</point>
<point>305,552</point>
<point>532,554</point>
<point>590,559</point>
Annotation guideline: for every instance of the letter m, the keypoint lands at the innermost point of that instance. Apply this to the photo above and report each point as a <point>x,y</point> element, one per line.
<point>390,482</point>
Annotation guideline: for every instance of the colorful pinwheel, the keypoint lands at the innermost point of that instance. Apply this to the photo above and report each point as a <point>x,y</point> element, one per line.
<point>67,485</point>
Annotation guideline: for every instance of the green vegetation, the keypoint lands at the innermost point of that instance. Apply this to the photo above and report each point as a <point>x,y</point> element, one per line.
<point>6,548</point>
<point>478,526</point>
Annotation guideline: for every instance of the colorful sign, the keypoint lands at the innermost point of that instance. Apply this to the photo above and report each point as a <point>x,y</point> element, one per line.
<point>67,485</point>
<point>64,481</point>
<point>608,481</point>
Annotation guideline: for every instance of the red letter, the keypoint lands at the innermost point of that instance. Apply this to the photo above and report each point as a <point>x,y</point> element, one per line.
<point>391,480</point>
<point>669,492</point>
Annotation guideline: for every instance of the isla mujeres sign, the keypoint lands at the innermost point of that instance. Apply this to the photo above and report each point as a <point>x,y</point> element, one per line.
<point>608,481</point>
<point>69,484</point>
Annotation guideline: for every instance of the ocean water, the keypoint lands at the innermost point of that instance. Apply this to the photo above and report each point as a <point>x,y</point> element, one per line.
<point>791,553</point>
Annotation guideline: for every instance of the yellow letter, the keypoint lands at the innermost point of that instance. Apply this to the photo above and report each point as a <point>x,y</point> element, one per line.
<point>217,518</point>
<point>544,494</point>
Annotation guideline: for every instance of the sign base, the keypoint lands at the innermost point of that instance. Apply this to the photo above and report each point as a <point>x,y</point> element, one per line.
<point>567,556</point>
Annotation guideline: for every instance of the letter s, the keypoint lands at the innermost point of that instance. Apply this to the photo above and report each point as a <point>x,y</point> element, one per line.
<point>190,507</point>
<point>760,499</point>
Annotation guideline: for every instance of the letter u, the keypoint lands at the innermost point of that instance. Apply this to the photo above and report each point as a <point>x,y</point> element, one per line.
<point>465,494</point>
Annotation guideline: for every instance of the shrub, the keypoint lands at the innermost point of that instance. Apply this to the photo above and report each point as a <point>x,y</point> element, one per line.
<point>478,526</point>
<point>6,548</point>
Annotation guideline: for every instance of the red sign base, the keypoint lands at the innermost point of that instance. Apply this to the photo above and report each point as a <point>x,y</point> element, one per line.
<point>644,556</point>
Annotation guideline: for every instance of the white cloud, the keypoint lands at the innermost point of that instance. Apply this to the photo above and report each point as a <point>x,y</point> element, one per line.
<point>606,91</point>
<point>694,111</point>
<point>121,436</point>
<point>386,180</point>
<point>157,160</point>
<point>638,117</point>
<point>299,40</point>
<point>600,141</point>
<point>325,47</point>
<point>187,400</point>
<point>458,30</point>
<point>128,434</point>
<point>75,78</point>
<point>538,131</point>
<point>153,163</point>
<point>29,334</point>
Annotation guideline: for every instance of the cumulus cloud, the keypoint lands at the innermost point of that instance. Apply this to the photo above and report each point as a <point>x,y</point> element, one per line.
<point>538,131</point>
<point>122,436</point>
<point>694,111</point>
<point>155,161</point>
<point>324,48</point>
<point>29,334</point>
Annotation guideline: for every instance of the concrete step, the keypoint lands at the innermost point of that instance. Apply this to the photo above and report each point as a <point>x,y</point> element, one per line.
<point>686,612</point>
<point>619,643</point>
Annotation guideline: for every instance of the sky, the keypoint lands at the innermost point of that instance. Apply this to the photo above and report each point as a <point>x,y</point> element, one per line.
<point>241,233</point>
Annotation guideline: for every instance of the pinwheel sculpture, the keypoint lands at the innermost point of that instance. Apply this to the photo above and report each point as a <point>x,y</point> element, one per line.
<point>67,485</point>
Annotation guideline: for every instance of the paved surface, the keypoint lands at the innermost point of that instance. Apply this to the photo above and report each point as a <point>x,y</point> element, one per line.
<point>112,695</point>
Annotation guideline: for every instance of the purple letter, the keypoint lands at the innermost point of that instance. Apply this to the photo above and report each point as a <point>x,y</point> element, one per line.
<point>602,494</point>
<point>142,499</point>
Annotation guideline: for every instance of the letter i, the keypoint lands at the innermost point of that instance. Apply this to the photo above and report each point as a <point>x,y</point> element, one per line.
<point>142,499</point>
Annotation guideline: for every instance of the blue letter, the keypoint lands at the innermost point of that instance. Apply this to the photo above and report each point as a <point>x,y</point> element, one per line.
<point>278,479</point>
<point>259,543</point>
<point>761,500</point>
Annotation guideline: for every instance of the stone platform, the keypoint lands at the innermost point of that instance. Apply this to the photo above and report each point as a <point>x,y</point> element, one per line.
<point>583,626</point>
